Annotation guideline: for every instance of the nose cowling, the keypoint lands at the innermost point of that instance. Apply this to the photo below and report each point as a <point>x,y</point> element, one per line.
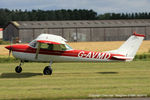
<point>8,47</point>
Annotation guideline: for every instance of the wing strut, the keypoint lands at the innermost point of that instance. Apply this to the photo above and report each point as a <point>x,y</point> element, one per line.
<point>37,50</point>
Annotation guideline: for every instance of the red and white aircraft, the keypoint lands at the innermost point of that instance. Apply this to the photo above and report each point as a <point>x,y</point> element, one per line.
<point>53,48</point>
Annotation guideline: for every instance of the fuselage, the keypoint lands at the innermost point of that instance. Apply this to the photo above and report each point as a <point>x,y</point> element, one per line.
<point>27,53</point>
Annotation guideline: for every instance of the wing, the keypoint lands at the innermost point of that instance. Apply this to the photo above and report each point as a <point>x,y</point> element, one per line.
<point>49,38</point>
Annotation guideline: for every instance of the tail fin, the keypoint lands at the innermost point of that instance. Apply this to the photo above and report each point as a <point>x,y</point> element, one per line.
<point>131,46</point>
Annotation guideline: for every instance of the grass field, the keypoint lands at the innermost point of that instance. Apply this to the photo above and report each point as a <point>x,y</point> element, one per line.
<point>74,80</point>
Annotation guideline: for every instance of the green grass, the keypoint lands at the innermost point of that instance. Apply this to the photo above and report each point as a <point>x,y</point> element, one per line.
<point>74,80</point>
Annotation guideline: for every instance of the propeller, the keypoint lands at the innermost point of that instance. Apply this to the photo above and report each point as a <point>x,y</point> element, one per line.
<point>10,49</point>
<point>10,52</point>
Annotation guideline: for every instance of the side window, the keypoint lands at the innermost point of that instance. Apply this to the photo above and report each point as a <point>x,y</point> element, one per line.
<point>46,46</point>
<point>50,46</point>
<point>63,47</point>
<point>59,47</point>
<point>55,47</point>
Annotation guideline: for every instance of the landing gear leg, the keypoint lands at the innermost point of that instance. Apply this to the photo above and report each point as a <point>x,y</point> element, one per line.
<point>18,69</point>
<point>48,70</point>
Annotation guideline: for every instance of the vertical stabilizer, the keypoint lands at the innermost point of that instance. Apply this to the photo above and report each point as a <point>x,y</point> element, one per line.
<point>131,46</point>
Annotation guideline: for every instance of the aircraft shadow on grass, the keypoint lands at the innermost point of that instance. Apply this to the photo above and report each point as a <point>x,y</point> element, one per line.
<point>26,75</point>
<point>107,72</point>
<point>21,75</point>
<point>92,72</point>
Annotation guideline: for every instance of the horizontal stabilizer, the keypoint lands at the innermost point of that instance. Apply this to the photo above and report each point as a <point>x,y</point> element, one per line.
<point>121,58</point>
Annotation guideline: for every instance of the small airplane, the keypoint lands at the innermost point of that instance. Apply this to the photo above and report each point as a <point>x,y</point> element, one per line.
<point>53,48</point>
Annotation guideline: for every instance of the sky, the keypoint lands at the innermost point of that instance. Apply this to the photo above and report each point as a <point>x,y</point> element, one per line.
<point>100,6</point>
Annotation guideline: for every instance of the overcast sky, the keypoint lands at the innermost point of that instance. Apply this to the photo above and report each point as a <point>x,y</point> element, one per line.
<point>100,6</point>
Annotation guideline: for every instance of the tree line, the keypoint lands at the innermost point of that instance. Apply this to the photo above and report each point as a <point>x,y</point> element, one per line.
<point>7,15</point>
<point>109,16</point>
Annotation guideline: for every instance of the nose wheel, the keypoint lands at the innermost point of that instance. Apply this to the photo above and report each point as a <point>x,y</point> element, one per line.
<point>48,70</point>
<point>18,69</point>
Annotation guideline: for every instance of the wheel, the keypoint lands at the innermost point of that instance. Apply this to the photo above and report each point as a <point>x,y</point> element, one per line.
<point>18,69</point>
<point>47,70</point>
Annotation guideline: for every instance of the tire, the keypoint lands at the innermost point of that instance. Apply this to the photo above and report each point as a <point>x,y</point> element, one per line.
<point>47,70</point>
<point>18,69</point>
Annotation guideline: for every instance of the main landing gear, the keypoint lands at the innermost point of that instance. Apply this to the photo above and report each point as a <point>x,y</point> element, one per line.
<point>47,70</point>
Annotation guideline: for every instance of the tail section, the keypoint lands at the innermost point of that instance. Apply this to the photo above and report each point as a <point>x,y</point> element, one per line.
<point>130,47</point>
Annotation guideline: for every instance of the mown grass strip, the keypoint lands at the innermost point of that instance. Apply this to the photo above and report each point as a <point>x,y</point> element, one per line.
<point>75,80</point>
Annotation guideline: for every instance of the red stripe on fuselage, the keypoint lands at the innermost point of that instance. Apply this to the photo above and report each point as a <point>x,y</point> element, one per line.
<point>71,53</point>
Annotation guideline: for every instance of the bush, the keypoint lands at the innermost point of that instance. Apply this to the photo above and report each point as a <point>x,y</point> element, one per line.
<point>4,42</point>
<point>145,56</point>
